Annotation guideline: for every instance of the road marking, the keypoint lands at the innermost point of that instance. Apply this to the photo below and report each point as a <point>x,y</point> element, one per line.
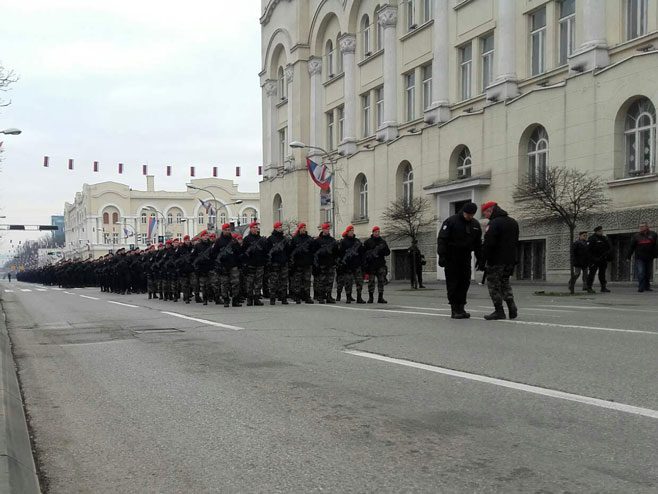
<point>91,298</point>
<point>529,323</point>
<point>9,291</point>
<point>69,293</point>
<point>203,321</point>
<point>41,290</point>
<point>620,407</point>
<point>596,307</point>
<point>25,290</point>
<point>58,289</point>
<point>121,303</point>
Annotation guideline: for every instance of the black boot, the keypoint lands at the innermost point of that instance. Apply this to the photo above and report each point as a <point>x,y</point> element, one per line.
<point>330,299</point>
<point>218,301</point>
<point>309,300</point>
<point>205,300</point>
<point>498,313</point>
<point>359,298</point>
<point>371,298</point>
<point>257,301</point>
<point>513,311</point>
<point>197,298</point>
<point>349,298</point>
<point>455,312</point>
<point>463,312</point>
<point>250,301</point>
<point>227,302</point>
<point>338,296</point>
<point>380,299</point>
<point>236,302</point>
<point>150,295</point>
<point>284,300</point>
<point>272,301</point>
<point>162,295</point>
<point>298,300</point>
<point>604,289</point>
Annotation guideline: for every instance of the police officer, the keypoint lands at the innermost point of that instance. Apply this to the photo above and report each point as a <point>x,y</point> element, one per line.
<point>499,252</point>
<point>350,251</point>
<point>580,259</point>
<point>254,253</point>
<point>600,252</point>
<point>643,244</point>
<point>302,251</point>
<point>326,252</point>
<point>226,265</point>
<point>376,249</point>
<point>279,252</point>
<point>459,237</point>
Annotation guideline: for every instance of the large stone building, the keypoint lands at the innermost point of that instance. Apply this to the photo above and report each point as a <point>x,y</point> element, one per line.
<point>457,100</point>
<point>109,215</point>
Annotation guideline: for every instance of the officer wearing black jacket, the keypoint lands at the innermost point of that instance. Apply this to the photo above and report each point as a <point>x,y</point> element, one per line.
<point>375,252</point>
<point>499,253</point>
<point>600,252</point>
<point>643,245</point>
<point>580,258</point>
<point>459,237</point>
<point>254,255</point>
<point>326,254</point>
<point>226,265</point>
<point>279,253</point>
<point>350,251</point>
<point>302,252</point>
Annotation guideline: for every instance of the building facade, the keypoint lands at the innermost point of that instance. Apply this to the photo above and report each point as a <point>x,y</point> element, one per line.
<point>458,100</point>
<point>108,216</point>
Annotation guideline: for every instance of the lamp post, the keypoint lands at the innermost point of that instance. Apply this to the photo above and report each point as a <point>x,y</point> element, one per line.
<point>11,131</point>
<point>325,154</point>
<point>217,203</point>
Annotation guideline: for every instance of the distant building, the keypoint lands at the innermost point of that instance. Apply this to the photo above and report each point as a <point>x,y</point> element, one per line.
<point>107,216</point>
<point>58,235</point>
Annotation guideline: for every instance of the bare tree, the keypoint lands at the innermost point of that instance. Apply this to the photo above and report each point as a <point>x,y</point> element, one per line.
<point>564,195</point>
<point>7,78</point>
<point>290,226</point>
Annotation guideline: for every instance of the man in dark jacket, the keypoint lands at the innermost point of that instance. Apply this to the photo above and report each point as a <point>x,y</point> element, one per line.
<point>599,252</point>
<point>254,254</point>
<point>326,253</point>
<point>302,251</point>
<point>416,263</point>
<point>202,265</point>
<point>376,249</point>
<point>459,237</point>
<point>643,244</point>
<point>226,266</point>
<point>580,259</point>
<point>350,251</point>
<point>279,252</point>
<point>499,253</point>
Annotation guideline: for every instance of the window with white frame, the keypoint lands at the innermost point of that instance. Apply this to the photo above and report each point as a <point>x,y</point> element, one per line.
<point>244,218</point>
<point>170,219</point>
<point>278,208</point>
<point>179,218</point>
<point>537,156</point>
<point>329,54</point>
<point>411,14</point>
<point>365,103</point>
<point>363,197</point>
<point>254,216</point>
<point>115,238</point>
<point>427,86</point>
<point>427,10</point>
<point>567,29</point>
<point>201,218</point>
<point>282,84</point>
<point>640,137</point>
<point>410,92</point>
<point>379,106</point>
<point>144,218</point>
<point>222,217</point>
<point>538,42</point>
<point>464,162</point>
<point>466,65</point>
<point>487,60</point>
<point>283,144</point>
<point>330,130</point>
<point>106,238</point>
<point>365,35</point>
<point>341,123</point>
<point>636,18</point>
<point>179,236</point>
<point>407,185</point>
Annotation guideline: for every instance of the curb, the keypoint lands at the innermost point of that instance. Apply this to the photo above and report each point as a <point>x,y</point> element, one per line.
<point>17,471</point>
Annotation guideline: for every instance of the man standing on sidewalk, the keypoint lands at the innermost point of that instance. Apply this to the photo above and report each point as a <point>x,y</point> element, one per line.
<point>600,252</point>
<point>643,244</point>
<point>579,255</point>
<point>501,237</point>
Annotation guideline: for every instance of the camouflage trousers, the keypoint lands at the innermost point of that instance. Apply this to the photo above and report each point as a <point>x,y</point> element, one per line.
<point>151,284</point>
<point>353,276</point>
<point>186,287</point>
<point>229,282</point>
<point>325,278</point>
<point>302,281</point>
<point>278,280</point>
<point>214,283</point>
<point>380,274</point>
<point>340,279</point>
<point>498,283</point>
<point>159,286</point>
<point>254,280</point>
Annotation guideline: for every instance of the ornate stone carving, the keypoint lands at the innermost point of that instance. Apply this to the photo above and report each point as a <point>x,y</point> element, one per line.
<point>314,66</point>
<point>289,72</point>
<point>388,16</point>
<point>347,43</point>
<point>270,87</point>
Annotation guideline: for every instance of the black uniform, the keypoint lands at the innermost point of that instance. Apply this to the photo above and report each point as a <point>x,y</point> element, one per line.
<point>326,254</point>
<point>376,249</point>
<point>580,257</point>
<point>600,252</point>
<point>302,251</point>
<point>643,245</point>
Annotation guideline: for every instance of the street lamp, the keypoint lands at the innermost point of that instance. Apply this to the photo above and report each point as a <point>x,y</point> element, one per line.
<point>301,145</point>
<point>11,131</point>
<point>196,187</point>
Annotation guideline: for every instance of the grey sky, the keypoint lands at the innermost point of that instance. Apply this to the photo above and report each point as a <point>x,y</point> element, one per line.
<point>137,82</point>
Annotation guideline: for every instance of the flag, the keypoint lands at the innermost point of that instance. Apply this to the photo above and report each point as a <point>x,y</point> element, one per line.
<point>214,171</point>
<point>237,171</point>
<point>120,167</point>
<point>152,223</point>
<point>70,164</point>
<point>320,174</point>
<point>46,159</point>
<point>260,170</point>
<point>207,205</point>
<point>191,171</point>
<point>168,171</point>
<point>127,232</point>
<point>95,166</point>
<point>145,169</point>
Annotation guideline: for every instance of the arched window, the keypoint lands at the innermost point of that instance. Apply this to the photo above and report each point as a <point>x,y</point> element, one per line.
<point>222,217</point>
<point>282,84</point>
<point>170,219</point>
<point>361,197</point>
<point>115,218</point>
<point>380,30</point>
<point>464,162</point>
<point>244,218</point>
<point>200,218</point>
<point>329,53</point>
<point>365,32</point>
<point>537,155</point>
<point>254,215</point>
<point>144,218</point>
<point>179,218</point>
<point>640,137</point>
<point>278,208</point>
<point>106,218</point>
<point>408,184</point>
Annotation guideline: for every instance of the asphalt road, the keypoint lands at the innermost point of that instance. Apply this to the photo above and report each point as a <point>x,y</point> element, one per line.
<point>139,398</point>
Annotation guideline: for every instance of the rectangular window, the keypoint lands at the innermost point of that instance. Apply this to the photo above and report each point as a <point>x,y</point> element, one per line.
<point>330,131</point>
<point>282,146</point>
<point>411,15</point>
<point>341,123</point>
<point>465,61</point>
<point>380,32</point>
<point>200,218</point>
<point>636,18</point>
<point>427,86</point>
<point>115,238</point>
<point>538,42</point>
<point>427,10</point>
<point>106,238</point>
<point>366,41</point>
<point>410,90</point>
<point>379,98</point>
<point>487,61</point>
<point>365,101</point>
<point>567,29</point>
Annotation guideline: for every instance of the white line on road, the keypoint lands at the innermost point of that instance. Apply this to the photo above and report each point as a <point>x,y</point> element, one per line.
<point>91,298</point>
<point>25,290</point>
<point>58,289</point>
<point>620,407</point>
<point>203,321</point>
<point>69,293</point>
<point>41,290</point>
<point>596,307</point>
<point>9,291</point>
<point>389,310</point>
<point>120,303</point>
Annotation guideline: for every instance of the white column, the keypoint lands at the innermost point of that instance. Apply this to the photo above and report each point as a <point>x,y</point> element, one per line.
<point>315,71</point>
<point>289,73</point>
<point>388,19</point>
<point>347,44</point>
<point>269,130</point>
<point>593,51</point>
<point>439,111</point>
<point>505,83</point>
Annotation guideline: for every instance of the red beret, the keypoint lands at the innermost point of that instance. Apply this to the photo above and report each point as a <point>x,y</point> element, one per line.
<point>278,224</point>
<point>186,237</point>
<point>160,245</point>
<point>196,237</point>
<point>253,224</point>
<point>235,235</point>
<point>488,205</point>
<point>325,225</point>
<point>226,226</point>
<point>344,233</point>
<point>152,246</point>
<point>213,235</point>
<point>176,239</point>
<point>375,228</point>
<point>301,225</point>
<point>349,227</point>
<point>169,242</point>
<point>204,232</point>
<point>239,237</point>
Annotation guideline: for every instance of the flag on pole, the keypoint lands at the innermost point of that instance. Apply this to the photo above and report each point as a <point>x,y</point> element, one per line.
<point>95,166</point>
<point>168,171</point>
<point>70,164</point>
<point>320,174</point>
<point>207,205</point>
<point>46,160</point>
<point>120,167</point>
<point>214,171</point>
<point>237,171</point>
<point>191,171</point>
<point>152,223</point>
<point>260,170</point>
<point>145,169</point>
<point>127,232</point>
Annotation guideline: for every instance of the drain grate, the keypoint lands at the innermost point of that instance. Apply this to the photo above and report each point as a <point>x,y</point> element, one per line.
<point>156,330</point>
